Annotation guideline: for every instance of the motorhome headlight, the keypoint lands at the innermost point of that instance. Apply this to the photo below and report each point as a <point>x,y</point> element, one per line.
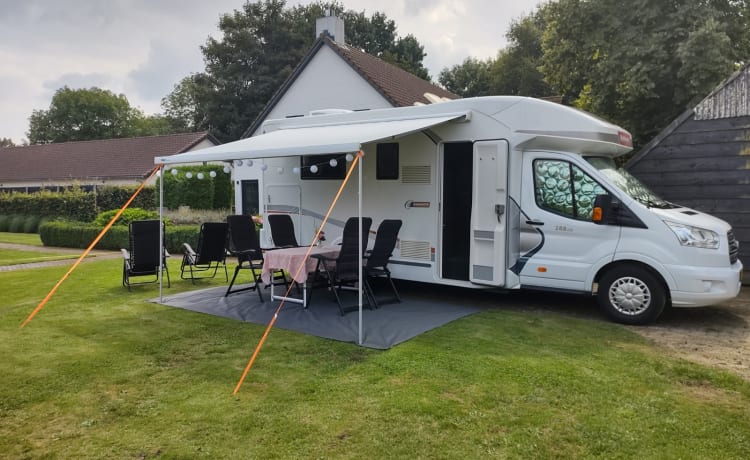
<point>694,236</point>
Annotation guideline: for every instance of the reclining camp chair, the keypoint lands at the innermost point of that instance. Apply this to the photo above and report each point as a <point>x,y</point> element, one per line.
<point>282,231</point>
<point>210,255</point>
<point>245,245</point>
<point>376,265</point>
<point>343,270</point>
<point>143,256</point>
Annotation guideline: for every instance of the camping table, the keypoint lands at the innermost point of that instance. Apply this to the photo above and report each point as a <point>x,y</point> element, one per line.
<point>290,259</point>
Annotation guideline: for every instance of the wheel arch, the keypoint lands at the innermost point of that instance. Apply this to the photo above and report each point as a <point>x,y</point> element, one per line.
<point>625,262</point>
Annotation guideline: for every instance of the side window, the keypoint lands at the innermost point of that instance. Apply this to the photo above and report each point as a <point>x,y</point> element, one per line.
<point>387,161</point>
<point>563,188</point>
<point>585,190</point>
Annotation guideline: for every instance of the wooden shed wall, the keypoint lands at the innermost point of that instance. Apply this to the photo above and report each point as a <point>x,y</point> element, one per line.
<point>705,165</point>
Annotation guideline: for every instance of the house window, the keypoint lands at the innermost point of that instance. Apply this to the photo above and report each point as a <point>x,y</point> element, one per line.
<point>386,159</point>
<point>322,163</point>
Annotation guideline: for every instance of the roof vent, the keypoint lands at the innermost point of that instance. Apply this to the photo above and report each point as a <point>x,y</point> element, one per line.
<point>317,112</point>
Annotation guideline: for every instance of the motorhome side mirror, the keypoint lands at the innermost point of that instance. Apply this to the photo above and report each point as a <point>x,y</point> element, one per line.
<point>602,209</point>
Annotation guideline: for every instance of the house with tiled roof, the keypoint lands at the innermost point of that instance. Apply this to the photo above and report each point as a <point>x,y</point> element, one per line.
<point>88,164</point>
<point>333,75</point>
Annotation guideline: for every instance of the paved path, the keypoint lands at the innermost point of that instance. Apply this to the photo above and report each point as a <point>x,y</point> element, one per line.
<point>96,254</point>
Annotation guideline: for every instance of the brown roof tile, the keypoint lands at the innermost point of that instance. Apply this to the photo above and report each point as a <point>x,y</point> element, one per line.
<point>129,158</point>
<point>400,87</point>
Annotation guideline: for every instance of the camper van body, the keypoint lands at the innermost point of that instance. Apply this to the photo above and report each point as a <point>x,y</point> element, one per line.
<point>499,192</point>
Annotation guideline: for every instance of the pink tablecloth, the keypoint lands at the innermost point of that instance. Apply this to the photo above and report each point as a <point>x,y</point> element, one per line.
<point>289,259</point>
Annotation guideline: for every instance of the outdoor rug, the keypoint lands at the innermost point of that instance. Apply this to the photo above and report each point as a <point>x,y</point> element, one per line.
<point>382,328</point>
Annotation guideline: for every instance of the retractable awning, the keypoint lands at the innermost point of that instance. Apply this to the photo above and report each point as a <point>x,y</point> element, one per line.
<point>309,140</point>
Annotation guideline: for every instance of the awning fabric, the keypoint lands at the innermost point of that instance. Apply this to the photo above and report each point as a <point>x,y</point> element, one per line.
<point>313,140</point>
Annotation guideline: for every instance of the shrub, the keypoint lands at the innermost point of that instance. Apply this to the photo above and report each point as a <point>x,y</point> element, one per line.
<point>16,224</point>
<point>128,215</point>
<point>80,235</point>
<point>4,222</point>
<point>31,224</point>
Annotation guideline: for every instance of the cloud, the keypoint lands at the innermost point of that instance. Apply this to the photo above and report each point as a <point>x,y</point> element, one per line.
<point>142,48</point>
<point>166,65</point>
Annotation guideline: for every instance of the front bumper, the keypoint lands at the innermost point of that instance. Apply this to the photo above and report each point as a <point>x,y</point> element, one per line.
<point>704,286</point>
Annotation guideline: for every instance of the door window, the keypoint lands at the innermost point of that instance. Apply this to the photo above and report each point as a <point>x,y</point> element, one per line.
<point>563,188</point>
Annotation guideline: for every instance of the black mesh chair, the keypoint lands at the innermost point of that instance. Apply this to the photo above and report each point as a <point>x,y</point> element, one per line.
<point>343,270</point>
<point>376,265</point>
<point>245,245</point>
<point>282,231</point>
<point>211,253</point>
<point>143,256</point>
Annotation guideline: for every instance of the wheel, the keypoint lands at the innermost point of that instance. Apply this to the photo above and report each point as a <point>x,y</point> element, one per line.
<point>630,294</point>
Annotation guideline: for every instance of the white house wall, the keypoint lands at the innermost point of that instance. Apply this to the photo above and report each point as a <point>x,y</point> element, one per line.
<point>327,82</point>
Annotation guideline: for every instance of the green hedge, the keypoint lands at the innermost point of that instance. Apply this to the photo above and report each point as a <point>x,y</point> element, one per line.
<point>20,224</point>
<point>207,193</point>
<point>72,204</point>
<point>110,197</point>
<point>80,235</point>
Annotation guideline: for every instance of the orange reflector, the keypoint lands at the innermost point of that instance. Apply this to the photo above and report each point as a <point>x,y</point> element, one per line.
<point>541,269</point>
<point>597,215</point>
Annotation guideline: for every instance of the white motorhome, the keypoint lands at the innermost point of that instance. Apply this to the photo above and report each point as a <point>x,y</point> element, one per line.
<point>499,192</point>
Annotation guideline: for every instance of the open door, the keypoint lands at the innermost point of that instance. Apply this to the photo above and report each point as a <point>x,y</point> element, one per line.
<point>488,216</point>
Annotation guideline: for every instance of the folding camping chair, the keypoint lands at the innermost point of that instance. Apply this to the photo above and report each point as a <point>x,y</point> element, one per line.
<point>343,270</point>
<point>282,231</point>
<point>245,245</point>
<point>211,253</point>
<point>143,256</point>
<point>376,265</point>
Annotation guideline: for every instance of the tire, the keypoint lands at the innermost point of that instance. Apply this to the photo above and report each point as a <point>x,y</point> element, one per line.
<point>630,294</point>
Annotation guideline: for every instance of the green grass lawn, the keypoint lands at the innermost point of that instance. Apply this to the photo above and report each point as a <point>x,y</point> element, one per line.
<point>102,373</point>
<point>15,256</point>
<point>20,238</point>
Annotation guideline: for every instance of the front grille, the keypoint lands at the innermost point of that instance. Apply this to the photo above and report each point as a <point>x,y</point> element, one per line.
<point>734,247</point>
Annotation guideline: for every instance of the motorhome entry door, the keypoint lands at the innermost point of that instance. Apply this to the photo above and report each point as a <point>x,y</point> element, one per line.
<point>488,213</point>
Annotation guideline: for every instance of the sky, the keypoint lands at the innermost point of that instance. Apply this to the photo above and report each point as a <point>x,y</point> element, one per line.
<point>142,48</point>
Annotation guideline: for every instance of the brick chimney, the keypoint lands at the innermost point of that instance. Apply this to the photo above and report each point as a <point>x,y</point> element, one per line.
<point>332,25</point>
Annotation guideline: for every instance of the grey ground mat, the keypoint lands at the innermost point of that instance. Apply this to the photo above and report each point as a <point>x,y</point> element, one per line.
<point>383,328</point>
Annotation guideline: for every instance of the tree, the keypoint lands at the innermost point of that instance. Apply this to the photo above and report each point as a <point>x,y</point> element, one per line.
<point>468,79</point>
<point>260,46</point>
<point>93,113</point>
<point>517,69</point>
<point>6,142</point>
<point>641,65</point>
<point>181,106</point>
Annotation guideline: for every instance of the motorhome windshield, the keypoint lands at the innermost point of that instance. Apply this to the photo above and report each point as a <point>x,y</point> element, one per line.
<point>628,184</point>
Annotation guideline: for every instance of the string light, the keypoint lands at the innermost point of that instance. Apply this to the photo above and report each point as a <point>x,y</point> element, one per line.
<point>212,173</point>
<point>200,176</point>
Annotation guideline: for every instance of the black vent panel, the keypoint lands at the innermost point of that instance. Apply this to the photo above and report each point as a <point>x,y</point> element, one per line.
<point>734,247</point>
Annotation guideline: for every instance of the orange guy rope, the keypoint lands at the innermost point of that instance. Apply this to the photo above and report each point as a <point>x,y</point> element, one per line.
<point>307,254</point>
<point>86,252</point>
